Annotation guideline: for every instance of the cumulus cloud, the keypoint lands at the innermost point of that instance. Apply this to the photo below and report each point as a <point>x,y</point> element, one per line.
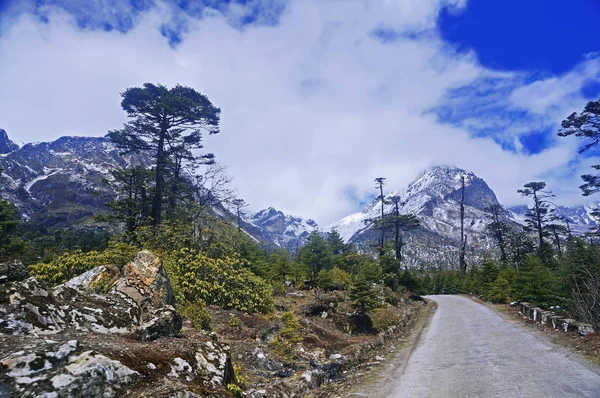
<point>315,104</point>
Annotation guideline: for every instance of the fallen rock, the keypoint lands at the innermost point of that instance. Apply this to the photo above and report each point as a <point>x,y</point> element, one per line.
<point>163,322</point>
<point>583,328</point>
<point>314,378</point>
<point>211,366</point>
<point>12,271</point>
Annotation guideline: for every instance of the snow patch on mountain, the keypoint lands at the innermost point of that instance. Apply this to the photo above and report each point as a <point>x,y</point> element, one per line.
<point>433,197</point>
<point>285,230</point>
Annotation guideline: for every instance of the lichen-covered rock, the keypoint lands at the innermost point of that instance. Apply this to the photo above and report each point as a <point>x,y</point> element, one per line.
<point>31,306</point>
<point>62,371</point>
<point>145,282</point>
<point>99,279</point>
<point>12,271</point>
<point>163,322</point>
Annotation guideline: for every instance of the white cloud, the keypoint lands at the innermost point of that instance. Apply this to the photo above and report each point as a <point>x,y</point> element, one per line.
<point>312,108</point>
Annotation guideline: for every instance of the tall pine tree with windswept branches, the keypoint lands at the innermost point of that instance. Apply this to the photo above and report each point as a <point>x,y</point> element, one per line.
<point>168,124</point>
<point>586,125</point>
<point>540,214</point>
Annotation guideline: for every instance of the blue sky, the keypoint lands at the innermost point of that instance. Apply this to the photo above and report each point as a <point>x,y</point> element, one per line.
<point>321,96</point>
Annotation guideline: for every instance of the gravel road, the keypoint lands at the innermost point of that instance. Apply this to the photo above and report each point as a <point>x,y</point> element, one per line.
<point>468,350</point>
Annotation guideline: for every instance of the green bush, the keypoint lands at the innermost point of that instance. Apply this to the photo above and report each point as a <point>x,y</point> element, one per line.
<point>384,318</point>
<point>500,291</point>
<point>197,313</point>
<point>222,282</point>
<point>75,263</point>
<point>334,279</point>
<point>234,322</point>
<point>539,284</point>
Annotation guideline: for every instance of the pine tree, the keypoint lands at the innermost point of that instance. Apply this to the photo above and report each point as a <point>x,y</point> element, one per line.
<point>586,125</point>
<point>380,181</point>
<point>399,223</point>
<point>134,186</point>
<point>335,242</point>
<point>463,237</point>
<point>557,232</point>
<point>541,214</point>
<point>316,254</point>
<point>168,124</point>
<point>362,295</point>
<point>9,243</point>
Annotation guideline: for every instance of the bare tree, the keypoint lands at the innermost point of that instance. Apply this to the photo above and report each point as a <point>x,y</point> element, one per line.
<point>380,181</point>
<point>239,205</point>
<point>463,237</point>
<point>213,186</point>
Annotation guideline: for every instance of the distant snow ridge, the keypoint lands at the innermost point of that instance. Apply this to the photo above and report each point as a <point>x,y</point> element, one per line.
<point>434,198</point>
<point>579,218</point>
<point>285,230</point>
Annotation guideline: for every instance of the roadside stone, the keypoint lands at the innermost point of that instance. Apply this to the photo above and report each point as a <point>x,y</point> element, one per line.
<point>583,328</point>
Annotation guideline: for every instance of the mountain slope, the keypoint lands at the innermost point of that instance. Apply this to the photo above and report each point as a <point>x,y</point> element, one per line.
<point>580,218</point>
<point>284,230</point>
<point>64,183</point>
<point>433,197</point>
<point>60,183</point>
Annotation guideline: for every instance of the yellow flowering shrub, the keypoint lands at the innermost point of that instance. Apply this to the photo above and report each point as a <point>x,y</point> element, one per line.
<point>75,263</point>
<point>222,282</point>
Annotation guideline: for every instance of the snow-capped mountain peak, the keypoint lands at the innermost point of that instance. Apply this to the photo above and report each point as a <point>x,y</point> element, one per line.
<point>434,189</point>
<point>285,230</point>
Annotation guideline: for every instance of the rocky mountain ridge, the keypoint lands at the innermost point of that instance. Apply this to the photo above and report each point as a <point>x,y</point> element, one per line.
<point>434,197</point>
<point>64,183</point>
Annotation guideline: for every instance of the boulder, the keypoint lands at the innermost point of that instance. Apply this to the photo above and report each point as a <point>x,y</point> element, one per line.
<point>31,307</point>
<point>146,283</point>
<point>315,378</point>
<point>99,279</point>
<point>211,366</point>
<point>12,271</point>
<point>163,322</point>
<point>55,370</point>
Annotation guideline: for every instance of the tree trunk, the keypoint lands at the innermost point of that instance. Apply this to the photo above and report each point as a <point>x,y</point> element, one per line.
<point>160,179</point>
<point>557,241</point>
<point>538,218</point>
<point>382,240</point>
<point>463,238</point>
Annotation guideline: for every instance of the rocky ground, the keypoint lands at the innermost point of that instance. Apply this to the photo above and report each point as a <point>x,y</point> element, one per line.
<point>112,332</point>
